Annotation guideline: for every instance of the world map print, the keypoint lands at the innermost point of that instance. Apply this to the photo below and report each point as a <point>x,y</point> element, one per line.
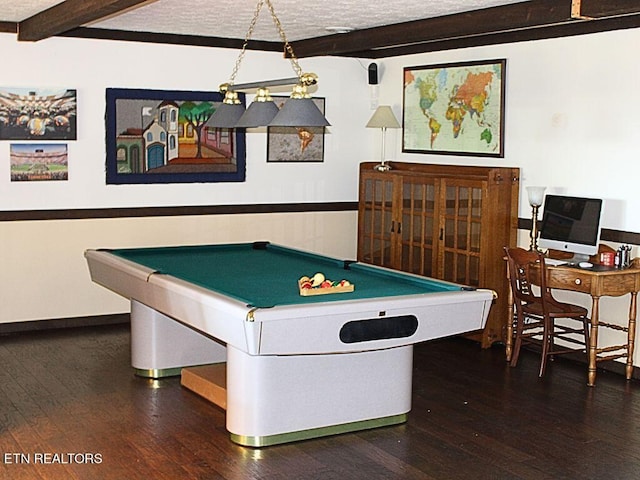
<point>454,109</point>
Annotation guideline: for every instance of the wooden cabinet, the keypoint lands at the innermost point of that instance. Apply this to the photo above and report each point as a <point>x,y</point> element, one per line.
<point>444,221</point>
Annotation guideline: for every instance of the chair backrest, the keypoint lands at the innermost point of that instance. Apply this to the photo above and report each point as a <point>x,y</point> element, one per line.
<point>527,268</point>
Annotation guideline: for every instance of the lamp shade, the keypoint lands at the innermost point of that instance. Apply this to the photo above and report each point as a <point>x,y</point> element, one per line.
<point>383,117</point>
<point>536,195</point>
<point>259,114</point>
<point>226,116</point>
<point>299,112</point>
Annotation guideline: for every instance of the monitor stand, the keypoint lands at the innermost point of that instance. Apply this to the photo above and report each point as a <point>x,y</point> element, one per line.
<point>577,258</point>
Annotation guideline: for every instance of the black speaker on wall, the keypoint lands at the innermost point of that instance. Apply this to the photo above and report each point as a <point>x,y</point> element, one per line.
<point>373,74</point>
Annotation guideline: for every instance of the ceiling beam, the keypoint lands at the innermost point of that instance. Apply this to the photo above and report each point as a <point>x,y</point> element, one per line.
<point>171,39</point>
<point>8,27</point>
<point>476,22</point>
<point>609,8</point>
<point>515,36</point>
<point>70,14</point>
<point>484,23</point>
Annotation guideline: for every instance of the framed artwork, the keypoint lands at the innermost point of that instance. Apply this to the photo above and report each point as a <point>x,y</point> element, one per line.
<point>38,161</point>
<point>37,114</point>
<point>454,109</point>
<point>158,136</point>
<point>295,144</point>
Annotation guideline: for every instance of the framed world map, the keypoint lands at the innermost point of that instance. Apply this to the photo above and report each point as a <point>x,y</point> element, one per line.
<point>454,109</point>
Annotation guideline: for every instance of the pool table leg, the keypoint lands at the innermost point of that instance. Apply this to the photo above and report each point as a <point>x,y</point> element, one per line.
<point>161,346</point>
<point>274,399</point>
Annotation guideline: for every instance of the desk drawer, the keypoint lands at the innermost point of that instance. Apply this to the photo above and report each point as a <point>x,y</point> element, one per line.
<point>570,279</point>
<point>616,285</point>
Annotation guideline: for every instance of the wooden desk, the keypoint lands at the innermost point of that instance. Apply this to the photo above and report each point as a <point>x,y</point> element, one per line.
<point>611,283</point>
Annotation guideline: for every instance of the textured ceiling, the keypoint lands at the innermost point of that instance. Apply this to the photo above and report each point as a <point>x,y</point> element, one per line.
<point>231,19</point>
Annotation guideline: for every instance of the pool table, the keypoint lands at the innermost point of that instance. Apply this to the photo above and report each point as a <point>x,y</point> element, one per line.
<point>297,366</point>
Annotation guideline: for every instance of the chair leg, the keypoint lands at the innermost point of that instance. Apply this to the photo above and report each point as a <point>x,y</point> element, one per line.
<point>547,339</point>
<point>515,353</point>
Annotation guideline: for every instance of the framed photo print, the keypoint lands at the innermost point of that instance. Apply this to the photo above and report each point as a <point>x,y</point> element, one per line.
<point>39,161</point>
<point>158,136</point>
<point>40,114</point>
<point>295,144</point>
<point>454,109</point>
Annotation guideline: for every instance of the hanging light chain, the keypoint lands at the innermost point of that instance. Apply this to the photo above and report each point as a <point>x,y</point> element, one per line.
<point>247,37</point>
<point>304,79</point>
<point>287,46</point>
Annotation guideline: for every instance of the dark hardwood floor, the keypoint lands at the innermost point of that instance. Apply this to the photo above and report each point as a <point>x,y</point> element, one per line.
<point>71,408</point>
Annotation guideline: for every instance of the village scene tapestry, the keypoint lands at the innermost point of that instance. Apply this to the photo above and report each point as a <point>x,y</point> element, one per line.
<point>158,136</point>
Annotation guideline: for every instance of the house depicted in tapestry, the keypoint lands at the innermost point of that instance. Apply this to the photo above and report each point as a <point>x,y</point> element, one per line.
<point>168,119</point>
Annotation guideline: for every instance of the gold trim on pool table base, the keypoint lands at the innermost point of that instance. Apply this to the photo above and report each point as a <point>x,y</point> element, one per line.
<point>269,440</point>
<point>169,372</point>
<point>158,372</point>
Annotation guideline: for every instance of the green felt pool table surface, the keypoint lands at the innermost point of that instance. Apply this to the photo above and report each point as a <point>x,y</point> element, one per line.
<point>264,275</point>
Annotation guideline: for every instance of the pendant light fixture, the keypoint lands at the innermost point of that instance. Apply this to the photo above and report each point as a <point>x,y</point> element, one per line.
<point>298,111</point>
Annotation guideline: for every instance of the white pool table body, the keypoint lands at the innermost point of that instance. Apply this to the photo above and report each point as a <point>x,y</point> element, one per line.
<point>289,376</point>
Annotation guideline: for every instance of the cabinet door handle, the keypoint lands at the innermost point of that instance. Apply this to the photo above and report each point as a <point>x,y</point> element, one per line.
<point>441,233</point>
<point>393,227</point>
<point>399,227</point>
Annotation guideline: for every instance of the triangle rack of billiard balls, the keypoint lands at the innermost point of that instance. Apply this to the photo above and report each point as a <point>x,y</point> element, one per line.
<point>317,284</point>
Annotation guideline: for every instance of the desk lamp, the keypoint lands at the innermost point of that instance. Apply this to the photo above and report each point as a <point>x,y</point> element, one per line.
<point>536,197</point>
<point>383,118</point>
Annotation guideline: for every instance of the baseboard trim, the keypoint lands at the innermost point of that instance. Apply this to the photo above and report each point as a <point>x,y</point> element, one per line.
<point>58,323</point>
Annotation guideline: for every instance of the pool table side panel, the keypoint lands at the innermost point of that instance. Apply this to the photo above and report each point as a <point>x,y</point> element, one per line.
<point>214,314</point>
<point>117,275</point>
<point>202,309</point>
<point>315,329</point>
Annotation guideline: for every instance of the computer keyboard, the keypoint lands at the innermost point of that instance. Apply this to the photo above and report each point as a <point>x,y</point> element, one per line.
<point>554,261</point>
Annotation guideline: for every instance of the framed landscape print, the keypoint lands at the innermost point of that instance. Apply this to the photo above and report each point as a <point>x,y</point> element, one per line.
<point>37,114</point>
<point>295,144</point>
<point>454,109</point>
<point>38,161</point>
<point>158,136</point>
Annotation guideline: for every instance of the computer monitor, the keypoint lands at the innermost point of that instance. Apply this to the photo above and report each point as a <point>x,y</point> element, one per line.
<point>571,224</point>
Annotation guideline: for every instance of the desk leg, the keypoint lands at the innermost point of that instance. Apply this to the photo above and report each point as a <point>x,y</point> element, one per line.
<point>593,341</point>
<point>631,335</point>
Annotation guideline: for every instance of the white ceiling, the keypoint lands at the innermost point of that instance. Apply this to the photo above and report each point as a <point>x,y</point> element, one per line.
<point>230,19</point>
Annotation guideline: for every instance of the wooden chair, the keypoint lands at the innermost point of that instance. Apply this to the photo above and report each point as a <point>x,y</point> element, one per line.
<point>537,309</point>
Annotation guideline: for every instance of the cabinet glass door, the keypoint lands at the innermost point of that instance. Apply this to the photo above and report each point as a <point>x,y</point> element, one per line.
<point>376,222</point>
<point>418,226</point>
<point>461,230</point>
